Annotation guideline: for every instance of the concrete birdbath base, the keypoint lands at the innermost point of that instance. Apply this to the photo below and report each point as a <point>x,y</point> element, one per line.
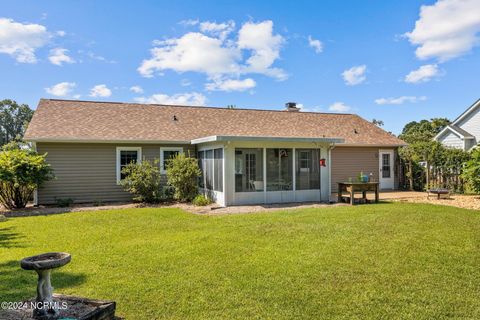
<point>75,308</point>
<point>47,306</point>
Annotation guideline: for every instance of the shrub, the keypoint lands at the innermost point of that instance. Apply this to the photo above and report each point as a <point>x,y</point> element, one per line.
<point>471,172</point>
<point>143,180</point>
<point>201,200</point>
<point>182,174</point>
<point>64,202</point>
<point>168,193</point>
<point>21,171</point>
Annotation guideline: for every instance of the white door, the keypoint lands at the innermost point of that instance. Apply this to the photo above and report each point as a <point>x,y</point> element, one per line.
<point>386,169</point>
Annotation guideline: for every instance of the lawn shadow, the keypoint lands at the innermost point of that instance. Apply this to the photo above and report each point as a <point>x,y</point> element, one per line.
<point>17,284</point>
<point>9,238</point>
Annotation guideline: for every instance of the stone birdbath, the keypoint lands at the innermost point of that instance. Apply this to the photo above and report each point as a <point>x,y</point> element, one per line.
<point>43,265</point>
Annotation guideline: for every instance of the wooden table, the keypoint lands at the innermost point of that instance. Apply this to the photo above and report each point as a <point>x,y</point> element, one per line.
<point>352,187</point>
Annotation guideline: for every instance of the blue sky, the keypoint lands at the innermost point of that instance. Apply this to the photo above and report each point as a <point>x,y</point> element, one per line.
<point>389,60</point>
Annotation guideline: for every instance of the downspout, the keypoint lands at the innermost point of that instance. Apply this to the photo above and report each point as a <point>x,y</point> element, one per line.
<point>329,161</point>
<point>35,192</point>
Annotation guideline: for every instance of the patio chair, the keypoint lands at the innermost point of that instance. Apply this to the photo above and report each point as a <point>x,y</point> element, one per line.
<point>257,185</point>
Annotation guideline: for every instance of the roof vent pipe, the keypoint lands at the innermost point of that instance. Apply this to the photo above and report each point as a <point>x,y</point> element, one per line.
<point>291,106</point>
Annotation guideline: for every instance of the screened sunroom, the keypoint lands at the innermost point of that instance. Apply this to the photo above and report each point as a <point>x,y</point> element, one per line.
<point>240,170</point>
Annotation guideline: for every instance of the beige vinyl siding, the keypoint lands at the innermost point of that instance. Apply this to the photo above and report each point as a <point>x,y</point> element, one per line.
<point>87,172</point>
<point>348,162</point>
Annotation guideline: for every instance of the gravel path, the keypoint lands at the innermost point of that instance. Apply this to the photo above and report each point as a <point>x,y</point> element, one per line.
<point>456,200</point>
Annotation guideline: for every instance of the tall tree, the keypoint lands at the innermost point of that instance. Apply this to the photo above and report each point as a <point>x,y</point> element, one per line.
<point>378,122</point>
<point>13,120</point>
<point>423,130</point>
<point>422,147</point>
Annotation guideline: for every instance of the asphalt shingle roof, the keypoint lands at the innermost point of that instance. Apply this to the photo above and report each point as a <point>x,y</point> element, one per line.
<point>70,120</point>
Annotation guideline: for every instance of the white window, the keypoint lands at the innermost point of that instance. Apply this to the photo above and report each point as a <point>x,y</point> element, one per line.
<point>126,155</point>
<point>166,154</point>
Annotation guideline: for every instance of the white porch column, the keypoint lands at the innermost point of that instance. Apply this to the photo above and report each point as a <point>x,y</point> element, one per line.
<point>294,176</point>
<point>325,188</point>
<point>265,175</point>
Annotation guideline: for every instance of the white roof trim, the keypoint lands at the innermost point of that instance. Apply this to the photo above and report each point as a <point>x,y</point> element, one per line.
<point>462,136</point>
<point>467,112</point>
<point>260,138</point>
<point>371,145</point>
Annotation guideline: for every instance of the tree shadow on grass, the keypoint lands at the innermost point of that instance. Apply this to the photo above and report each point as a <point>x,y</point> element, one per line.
<point>9,238</point>
<point>17,284</point>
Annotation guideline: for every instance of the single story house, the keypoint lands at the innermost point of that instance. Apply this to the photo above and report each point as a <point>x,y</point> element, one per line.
<point>464,132</point>
<point>247,156</point>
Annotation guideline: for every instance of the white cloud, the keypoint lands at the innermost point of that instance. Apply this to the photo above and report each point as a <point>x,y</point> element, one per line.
<point>189,22</point>
<point>446,29</point>
<point>20,41</point>
<point>220,30</point>
<point>100,90</point>
<point>136,89</point>
<point>58,56</point>
<point>61,89</point>
<point>192,52</point>
<point>265,48</point>
<point>185,83</point>
<point>308,109</point>
<point>61,33</point>
<point>215,52</point>
<point>94,56</point>
<point>423,74</point>
<point>400,100</point>
<point>190,99</point>
<point>339,107</point>
<point>231,85</point>
<point>355,75</point>
<point>317,45</point>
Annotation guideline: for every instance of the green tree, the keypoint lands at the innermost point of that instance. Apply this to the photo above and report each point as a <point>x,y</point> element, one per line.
<point>13,120</point>
<point>471,171</point>
<point>409,155</point>
<point>21,172</point>
<point>143,180</point>
<point>423,130</point>
<point>182,174</point>
<point>378,122</point>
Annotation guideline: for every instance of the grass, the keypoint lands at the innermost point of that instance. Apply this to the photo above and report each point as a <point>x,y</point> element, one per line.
<point>385,261</point>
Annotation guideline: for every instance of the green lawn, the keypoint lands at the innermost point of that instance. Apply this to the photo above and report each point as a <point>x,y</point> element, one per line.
<point>388,261</point>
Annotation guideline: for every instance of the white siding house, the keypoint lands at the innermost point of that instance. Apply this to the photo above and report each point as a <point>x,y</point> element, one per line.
<point>463,132</point>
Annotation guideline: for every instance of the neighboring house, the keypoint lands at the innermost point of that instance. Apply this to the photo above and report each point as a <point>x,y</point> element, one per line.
<point>247,156</point>
<point>463,132</point>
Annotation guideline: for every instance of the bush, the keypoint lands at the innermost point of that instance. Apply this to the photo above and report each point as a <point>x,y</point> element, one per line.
<point>471,172</point>
<point>201,200</point>
<point>143,180</point>
<point>168,193</point>
<point>21,172</point>
<point>182,174</point>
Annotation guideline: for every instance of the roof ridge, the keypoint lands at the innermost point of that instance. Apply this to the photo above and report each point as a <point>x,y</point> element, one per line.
<point>198,107</point>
